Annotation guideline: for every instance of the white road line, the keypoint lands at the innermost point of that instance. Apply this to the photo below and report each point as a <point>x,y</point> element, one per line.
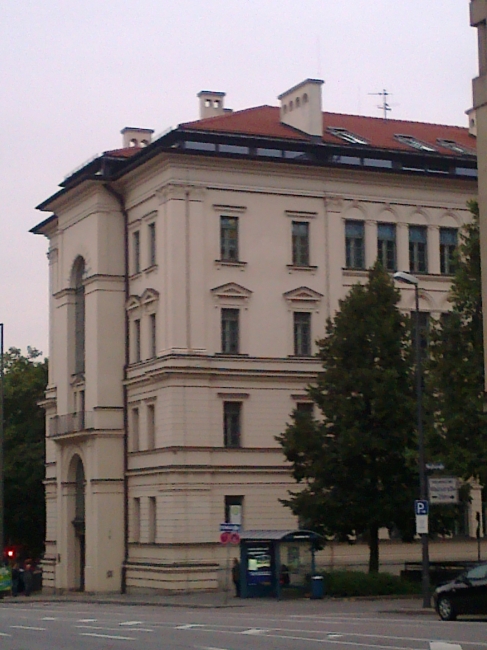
<point>108,636</point>
<point>4,634</point>
<point>48,618</point>
<point>87,620</point>
<point>189,626</point>
<point>110,629</point>
<point>131,623</point>
<point>441,645</point>
<point>254,630</point>
<point>335,636</point>
<point>28,627</point>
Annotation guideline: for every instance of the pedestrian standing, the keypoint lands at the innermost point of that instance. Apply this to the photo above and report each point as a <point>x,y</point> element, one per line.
<point>28,576</point>
<point>15,578</point>
<point>236,576</point>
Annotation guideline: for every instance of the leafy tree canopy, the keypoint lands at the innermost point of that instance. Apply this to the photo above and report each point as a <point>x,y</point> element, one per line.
<point>25,383</point>
<point>356,463</point>
<point>455,373</point>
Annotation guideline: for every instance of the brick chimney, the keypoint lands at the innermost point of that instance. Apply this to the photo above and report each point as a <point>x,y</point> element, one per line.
<point>135,137</point>
<point>301,107</point>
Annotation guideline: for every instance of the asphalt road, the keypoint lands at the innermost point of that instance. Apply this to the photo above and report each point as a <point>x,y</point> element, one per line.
<point>27,625</point>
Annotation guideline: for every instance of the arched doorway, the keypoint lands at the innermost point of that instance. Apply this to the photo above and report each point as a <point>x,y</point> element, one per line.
<point>78,524</point>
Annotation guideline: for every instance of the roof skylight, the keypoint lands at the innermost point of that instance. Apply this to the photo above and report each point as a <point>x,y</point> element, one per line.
<point>455,147</point>
<point>415,143</point>
<point>346,135</point>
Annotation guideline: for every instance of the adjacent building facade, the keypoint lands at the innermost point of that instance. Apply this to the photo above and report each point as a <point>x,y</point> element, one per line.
<point>190,277</point>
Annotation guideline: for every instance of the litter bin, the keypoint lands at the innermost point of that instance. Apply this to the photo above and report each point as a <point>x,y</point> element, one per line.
<point>317,587</point>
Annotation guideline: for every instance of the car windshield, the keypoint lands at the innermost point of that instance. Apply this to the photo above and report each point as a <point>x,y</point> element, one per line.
<point>477,573</point>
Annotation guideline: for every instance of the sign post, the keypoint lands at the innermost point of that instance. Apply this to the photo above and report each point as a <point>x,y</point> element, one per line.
<point>229,534</point>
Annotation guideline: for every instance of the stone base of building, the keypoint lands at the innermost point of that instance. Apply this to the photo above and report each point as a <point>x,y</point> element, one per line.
<point>163,578</point>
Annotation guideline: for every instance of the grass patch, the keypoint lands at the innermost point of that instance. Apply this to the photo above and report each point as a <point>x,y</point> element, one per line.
<point>356,583</point>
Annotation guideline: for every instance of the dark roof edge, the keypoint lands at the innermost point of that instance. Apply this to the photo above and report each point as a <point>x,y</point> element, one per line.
<point>38,229</point>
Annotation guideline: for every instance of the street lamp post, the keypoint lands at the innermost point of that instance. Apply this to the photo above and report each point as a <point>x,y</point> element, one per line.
<point>407,278</point>
<point>2,518</point>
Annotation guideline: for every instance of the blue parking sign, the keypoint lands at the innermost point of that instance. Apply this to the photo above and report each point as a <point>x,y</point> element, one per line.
<point>421,507</point>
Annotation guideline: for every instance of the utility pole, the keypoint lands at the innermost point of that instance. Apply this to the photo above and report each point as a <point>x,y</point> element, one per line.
<point>2,500</point>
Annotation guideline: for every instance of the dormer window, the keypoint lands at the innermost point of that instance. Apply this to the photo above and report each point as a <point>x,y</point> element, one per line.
<point>349,137</point>
<point>455,147</point>
<point>415,143</point>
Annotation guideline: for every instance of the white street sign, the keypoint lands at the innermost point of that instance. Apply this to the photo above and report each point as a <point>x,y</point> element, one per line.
<point>421,524</point>
<point>443,490</point>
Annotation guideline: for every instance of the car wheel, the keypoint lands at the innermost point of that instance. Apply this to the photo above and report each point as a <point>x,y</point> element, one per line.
<point>445,609</point>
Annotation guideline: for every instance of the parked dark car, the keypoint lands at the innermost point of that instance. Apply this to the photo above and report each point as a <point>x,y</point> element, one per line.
<point>467,594</point>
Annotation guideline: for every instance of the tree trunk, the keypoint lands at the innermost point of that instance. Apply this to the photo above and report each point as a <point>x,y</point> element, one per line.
<point>374,548</point>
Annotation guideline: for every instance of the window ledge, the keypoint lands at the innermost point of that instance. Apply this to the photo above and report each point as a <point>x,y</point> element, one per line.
<point>236,264</point>
<point>135,276</point>
<point>298,267</point>
<point>231,355</point>
<point>302,356</point>
<point>354,272</point>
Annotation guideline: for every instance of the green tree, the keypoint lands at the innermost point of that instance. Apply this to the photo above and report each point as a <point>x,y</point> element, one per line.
<point>455,373</point>
<point>356,464</point>
<point>25,383</point>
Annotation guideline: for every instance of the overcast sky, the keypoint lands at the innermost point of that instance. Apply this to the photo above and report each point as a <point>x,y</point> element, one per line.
<point>73,73</point>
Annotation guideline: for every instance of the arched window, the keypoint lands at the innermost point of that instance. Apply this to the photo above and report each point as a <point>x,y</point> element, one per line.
<point>298,102</point>
<point>80,493</point>
<point>79,315</point>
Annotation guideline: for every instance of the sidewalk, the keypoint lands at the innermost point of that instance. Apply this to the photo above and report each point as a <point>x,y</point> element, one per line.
<point>218,599</point>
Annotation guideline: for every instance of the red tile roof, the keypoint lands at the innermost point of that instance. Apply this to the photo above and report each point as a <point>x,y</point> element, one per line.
<point>379,132</point>
<point>123,153</point>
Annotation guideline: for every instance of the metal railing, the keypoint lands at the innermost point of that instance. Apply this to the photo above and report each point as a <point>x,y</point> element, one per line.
<point>60,425</point>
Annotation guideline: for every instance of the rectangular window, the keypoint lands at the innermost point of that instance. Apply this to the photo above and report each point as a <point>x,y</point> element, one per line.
<point>152,244</point>
<point>151,426</point>
<point>300,243</point>
<point>136,521</point>
<point>302,333</point>
<point>418,249</point>
<point>153,336</point>
<point>230,331</point>
<point>232,416</point>
<point>136,250</point>
<point>354,245</point>
<point>386,245</point>
<point>135,430</point>
<point>152,521</point>
<point>234,510</point>
<point>448,246</point>
<point>229,239</point>
<point>305,409</point>
<point>137,342</point>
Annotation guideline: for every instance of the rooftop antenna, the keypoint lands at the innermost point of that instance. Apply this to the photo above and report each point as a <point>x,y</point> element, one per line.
<point>385,106</point>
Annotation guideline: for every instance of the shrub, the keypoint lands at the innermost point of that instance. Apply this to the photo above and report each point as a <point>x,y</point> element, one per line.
<point>356,583</point>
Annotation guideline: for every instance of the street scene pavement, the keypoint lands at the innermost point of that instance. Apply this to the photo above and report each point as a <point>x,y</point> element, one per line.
<point>207,622</point>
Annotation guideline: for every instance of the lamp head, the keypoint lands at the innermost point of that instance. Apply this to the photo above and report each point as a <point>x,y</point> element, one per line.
<point>402,276</point>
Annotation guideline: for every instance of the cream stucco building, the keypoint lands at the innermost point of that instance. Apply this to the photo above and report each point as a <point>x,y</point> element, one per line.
<point>189,278</point>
